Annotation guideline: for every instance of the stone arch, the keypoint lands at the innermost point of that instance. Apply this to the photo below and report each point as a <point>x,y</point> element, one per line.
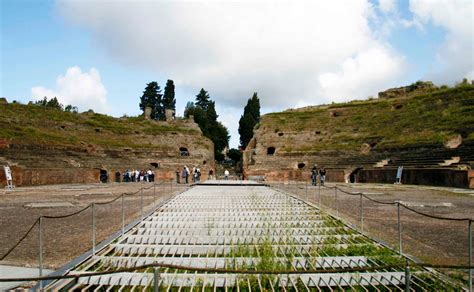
<point>183,151</point>
<point>271,150</point>
<point>155,164</point>
<point>301,165</point>
<point>352,178</point>
<point>103,176</point>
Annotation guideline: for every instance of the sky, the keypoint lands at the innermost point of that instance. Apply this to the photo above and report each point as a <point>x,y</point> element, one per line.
<point>101,54</point>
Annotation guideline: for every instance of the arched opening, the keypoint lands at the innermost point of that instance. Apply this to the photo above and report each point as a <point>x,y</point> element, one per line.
<point>271,150</point>
<point>301,165</point>
<point>104,176</point>
<point>318,132</point>
<point>280,134</point>
<point>204,162</point>
<point>155,164</point>
<point>353,175</point>
<point>183,151</point>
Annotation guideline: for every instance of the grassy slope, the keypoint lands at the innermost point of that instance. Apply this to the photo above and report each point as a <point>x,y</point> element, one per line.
<point>28,124</point>
<point>423,119</point>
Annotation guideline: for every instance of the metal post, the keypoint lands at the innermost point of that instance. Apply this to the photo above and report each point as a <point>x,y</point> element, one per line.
<point>399,230</point>
<point>141,203</point>
<point>306,186</point>
<point>335,198</point>
<point>361,209</point>
<point>40,251</point>
<point>123,214</point>
<point>154,193</point>
<point>93,228</point>
<point>470,254</point>
<point>156,279</point>
<point>407,277</point>
<point>319,192</point>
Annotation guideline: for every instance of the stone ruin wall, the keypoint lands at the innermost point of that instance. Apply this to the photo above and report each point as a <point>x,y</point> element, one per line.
<point>353,166</point>
<point>46,164</point>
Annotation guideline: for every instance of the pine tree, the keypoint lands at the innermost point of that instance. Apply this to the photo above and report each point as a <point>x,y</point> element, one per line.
<point>203,99</point>
<point>169,101</point>
<point>248,120</point>
<point>152,98</point>
<point>205,115</point>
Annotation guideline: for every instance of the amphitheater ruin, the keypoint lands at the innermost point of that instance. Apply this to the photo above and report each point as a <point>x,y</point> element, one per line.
<point>271,231</point>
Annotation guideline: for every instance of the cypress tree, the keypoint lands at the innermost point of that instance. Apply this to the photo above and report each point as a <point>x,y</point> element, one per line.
<point>249,119</point>
<point>169,101</point>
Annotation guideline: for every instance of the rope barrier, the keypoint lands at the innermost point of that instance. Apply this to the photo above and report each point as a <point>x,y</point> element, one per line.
<point>67,215</point>
<point>236,271</point>
<point>73,214</point>
<point>401,204</point>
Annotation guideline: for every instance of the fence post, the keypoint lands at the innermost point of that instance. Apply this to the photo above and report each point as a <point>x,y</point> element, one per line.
<point>335,198</point>
<point>141,204</point>
<point>156,279</point>
<point>123,214</point>
<point>306,186</point>
<point>319,193</point>
<point>470,254</point>
<point>93,228</point>
<point>407,277</point>
<point>361,209</point>
<point>399,230</point>
<point>40,251</point>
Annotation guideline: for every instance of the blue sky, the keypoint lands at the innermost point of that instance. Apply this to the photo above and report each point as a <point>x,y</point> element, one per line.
<point>231,50</point>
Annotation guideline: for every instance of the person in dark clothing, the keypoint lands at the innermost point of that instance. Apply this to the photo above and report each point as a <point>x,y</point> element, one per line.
<point>322,175</point>
<point>314,175</point>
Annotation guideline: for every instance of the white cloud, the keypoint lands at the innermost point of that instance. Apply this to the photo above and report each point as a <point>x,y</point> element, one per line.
<point>277,48</point>
<point>293,53</point>
<point>364,73</point>
<point>82,89</point>
<point>456,55</point>
<point>387,6</point>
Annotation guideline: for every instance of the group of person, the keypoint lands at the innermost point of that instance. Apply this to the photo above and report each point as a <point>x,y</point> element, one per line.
<point>195,174</point>
<point>315,172</point>
<point>136,175</point>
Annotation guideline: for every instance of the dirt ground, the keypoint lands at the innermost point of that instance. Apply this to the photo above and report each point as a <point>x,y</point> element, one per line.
<point>67,238</point>
<point>430,240</point>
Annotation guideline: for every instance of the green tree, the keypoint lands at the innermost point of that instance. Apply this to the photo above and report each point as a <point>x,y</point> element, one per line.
<point>52,103</point>
<point>249,119</point>
<point>205,115</point>
<point>203,99</point>
<point>234,154</point>
<point>169,101</point>
<point>152,98</point>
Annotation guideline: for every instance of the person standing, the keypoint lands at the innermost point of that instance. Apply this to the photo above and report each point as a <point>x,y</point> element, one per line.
<point>314,175</point>
<point>226,174</point>
<point>322,175</point>
<point>187,174</point>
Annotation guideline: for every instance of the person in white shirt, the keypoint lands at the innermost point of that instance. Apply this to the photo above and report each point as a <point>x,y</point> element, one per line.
<point>226,174</point>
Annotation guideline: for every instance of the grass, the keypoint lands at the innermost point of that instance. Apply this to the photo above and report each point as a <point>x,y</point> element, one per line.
<point>430,118</point>
<point>31,125</point>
